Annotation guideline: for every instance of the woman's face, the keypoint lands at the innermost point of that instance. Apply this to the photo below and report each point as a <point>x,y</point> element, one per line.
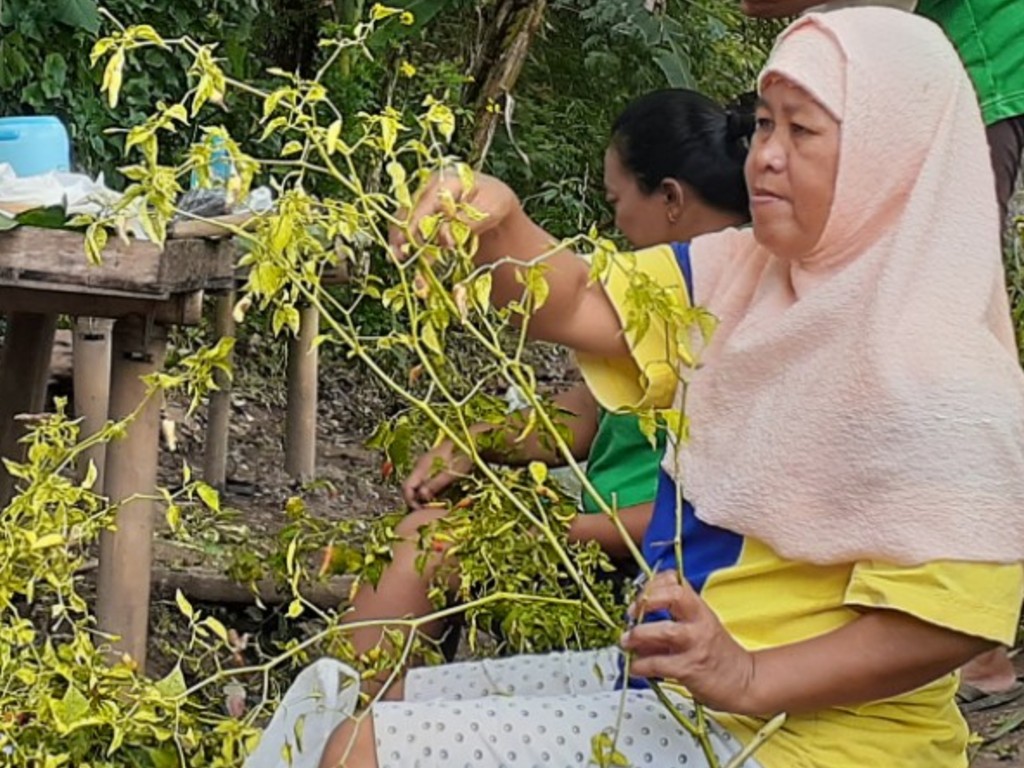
<point>642,218</point>
<point>791,170</point>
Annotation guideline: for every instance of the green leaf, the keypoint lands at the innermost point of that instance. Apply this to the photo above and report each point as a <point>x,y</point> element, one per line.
<point>55,75</point>
<point>51,217</point>
<point>7,222</point>
<point>79,14</point>
<point>173,685</point>
<point>75,706</point>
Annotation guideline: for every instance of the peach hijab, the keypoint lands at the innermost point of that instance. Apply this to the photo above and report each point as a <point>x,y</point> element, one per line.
<point>866,402</point>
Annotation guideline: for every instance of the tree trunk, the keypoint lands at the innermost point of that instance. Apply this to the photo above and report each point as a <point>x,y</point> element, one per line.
<point>510,28</point>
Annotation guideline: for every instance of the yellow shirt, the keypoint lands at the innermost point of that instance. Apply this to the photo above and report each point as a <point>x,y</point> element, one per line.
<point>765,601</point>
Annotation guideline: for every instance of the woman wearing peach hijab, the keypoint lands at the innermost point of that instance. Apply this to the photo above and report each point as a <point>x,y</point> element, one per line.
<point>855,468</point>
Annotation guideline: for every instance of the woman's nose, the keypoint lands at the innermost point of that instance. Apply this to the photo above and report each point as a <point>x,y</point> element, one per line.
<point>769,154</point>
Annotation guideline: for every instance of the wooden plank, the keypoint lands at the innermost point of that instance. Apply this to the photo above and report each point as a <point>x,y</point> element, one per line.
<point>219,226</point>
<point>209,586</point>
<point>31,255</point>
<point>180,309</point>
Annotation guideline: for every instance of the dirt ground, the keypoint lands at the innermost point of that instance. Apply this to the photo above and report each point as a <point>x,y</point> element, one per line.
<point>999,731</point>
<point>350,485</point>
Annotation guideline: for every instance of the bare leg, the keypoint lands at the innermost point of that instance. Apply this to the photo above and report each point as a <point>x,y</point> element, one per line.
<point>352,745</point>
<point>401,593</point>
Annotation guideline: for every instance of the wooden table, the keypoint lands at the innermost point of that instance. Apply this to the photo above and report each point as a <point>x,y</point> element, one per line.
<point>144,290</point>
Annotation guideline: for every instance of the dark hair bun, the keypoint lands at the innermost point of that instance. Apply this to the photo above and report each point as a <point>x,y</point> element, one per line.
<point>680,134</point>
<point>739,124</point>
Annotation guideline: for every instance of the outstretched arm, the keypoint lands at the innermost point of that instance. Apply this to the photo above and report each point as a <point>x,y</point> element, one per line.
<point>577,313</point>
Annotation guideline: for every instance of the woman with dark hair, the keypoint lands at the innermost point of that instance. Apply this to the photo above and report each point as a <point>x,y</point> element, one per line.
<point>673,170</point>
<point>842,528</point>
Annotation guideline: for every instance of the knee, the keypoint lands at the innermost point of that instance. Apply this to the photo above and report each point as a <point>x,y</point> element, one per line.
<point>352,745</point>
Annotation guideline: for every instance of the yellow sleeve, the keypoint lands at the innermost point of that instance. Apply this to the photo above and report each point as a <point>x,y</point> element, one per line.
<point>979,599</point>
<point>648,378</point>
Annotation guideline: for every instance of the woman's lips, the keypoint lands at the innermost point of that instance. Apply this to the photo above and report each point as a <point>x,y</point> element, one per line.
<point>764,197</point>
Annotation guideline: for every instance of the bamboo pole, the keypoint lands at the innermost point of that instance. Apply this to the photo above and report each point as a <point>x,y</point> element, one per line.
<point>91,374</point>
<point>300,425</point>
<point>126,554</point>
<point>215,466</point>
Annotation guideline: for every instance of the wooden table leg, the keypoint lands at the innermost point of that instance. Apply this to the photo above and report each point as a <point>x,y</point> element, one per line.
<point>25,369</point>
<point>91,371</point>
<point>215,460</point>
<point>126,554</point>
<point>300,425</point>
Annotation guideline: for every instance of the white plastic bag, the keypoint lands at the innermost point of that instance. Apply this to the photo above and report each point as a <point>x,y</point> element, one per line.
<point>322,696</point>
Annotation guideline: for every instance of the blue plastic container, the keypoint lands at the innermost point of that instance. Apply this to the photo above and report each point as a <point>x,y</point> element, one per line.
<point>34,145</point>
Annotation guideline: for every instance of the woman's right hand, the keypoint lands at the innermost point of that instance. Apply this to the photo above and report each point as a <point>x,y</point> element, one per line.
<point>434,471</point>
<point>490,197</point>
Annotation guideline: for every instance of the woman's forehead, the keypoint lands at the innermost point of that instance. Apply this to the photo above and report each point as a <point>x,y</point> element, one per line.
<point>782,94</point>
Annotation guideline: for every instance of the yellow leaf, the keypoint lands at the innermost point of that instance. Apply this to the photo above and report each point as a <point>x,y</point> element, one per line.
<point>379,12</point>
<point>113,77</point>
<point>173,516</point>
<point>209,496</point>
<point>184,605</point>
<point>388,133</point>
<point>47,541</point>
<point>290,556</point>
<point>482,290</point>
<point>465,174</point>
<point>430,338</point>
<point>216,627</point>
<point>282,235</point>
<point>398,182</point>
<point>295,609</point>
<point>333,133</point>
<point>91,474</point>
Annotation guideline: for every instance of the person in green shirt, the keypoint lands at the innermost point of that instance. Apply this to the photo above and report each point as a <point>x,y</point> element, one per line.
<point>673,170</point>
<point>989,36</point>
